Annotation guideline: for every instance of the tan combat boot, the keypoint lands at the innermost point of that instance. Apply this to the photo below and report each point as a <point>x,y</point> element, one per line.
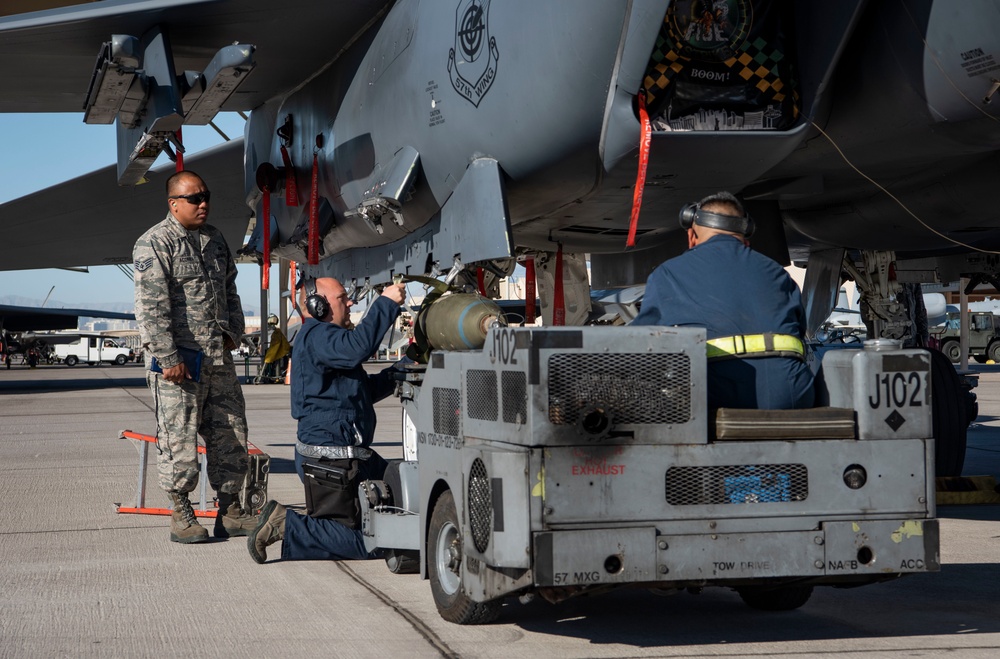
<point>270,529</point>
<point>184,526</point>
<point>231,518</point>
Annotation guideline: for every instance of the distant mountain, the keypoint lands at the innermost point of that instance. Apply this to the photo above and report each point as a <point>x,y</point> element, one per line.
<point>119,307</point>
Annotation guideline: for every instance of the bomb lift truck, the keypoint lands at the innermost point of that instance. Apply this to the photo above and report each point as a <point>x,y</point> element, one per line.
<point>561,461</point>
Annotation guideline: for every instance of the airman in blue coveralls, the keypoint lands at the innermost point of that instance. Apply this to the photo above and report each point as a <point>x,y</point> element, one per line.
<point>749,306</point>
<point>332,398</point>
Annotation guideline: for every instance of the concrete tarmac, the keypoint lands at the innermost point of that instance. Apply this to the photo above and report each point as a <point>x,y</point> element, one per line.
<point>81,580</point>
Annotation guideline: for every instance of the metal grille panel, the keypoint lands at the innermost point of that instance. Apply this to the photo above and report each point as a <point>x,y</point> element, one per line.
<point>514,388</point>
<point>693,486</point>
<point>480,505</point>
<point>447,412</point>
<point>642,388</point>
<point>481,395</point>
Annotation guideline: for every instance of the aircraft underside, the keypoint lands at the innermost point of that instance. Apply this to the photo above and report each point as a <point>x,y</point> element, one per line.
<point>876,144</point>
<point>394,138</point>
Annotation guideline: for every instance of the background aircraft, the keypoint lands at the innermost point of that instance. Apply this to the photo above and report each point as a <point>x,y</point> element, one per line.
<point>20,319</point>
<point>455,136</point>
<point>18,324</point>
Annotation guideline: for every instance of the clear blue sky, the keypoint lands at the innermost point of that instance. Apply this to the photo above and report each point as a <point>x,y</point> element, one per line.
<point>41,150</point>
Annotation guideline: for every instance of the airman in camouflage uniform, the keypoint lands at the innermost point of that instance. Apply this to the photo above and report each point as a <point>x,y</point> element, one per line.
<point>185,297</point>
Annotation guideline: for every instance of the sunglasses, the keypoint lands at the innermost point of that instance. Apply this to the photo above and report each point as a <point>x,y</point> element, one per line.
<point>195,198</point>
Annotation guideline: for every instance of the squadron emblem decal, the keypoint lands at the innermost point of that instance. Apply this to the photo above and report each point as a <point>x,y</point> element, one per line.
<point>475,51</point>
<point>711,29</point>
<point>143,266</point>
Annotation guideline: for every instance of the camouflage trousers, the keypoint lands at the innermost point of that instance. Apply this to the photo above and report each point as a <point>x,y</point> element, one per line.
<point>213,408</point>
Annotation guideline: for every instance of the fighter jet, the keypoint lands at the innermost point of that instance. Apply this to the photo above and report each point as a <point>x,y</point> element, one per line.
<point>23,329</point>
<point>404,137</point>
<point>455,137</point>
<point>21,319</point>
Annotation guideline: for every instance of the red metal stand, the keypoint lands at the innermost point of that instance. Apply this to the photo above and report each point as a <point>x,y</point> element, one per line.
<point>142,443</point>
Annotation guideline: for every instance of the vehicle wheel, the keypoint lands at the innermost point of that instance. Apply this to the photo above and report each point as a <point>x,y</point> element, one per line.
<point>993,352</point>
<point>775,599</point>
<point>401,561</point>
<point>72,360</point>
<point>444,568</point>
<point>982,359</point>
<point>950,421</point>
<point>121,359</point>
<point>254,499</point>
<point>953,351</point>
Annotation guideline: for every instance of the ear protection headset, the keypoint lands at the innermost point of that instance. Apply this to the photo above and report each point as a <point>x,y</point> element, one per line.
<point>693,214</point>
<point>316,304</point>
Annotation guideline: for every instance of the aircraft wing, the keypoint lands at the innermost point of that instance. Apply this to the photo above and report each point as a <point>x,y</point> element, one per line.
<point>23,319</point>
<point>47,57</point>
<point>90,220</point>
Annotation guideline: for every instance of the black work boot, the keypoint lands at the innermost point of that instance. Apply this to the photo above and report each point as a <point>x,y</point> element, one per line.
<point>231,519</point>
<point>184,526</point>
<point>270,529</point>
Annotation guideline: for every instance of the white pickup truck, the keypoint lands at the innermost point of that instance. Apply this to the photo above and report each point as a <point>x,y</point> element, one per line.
<point>93,349</point>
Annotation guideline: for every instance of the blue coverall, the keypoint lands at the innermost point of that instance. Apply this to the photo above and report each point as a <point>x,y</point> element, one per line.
<point>729,289</point>
<point>333,399</point>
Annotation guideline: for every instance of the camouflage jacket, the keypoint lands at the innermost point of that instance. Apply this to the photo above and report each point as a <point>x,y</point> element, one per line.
<point>185,292</point>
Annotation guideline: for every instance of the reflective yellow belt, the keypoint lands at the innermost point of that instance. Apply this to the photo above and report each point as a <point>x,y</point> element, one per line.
<point>756,345</point>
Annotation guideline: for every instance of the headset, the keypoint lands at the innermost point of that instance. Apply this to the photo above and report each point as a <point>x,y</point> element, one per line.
<point>317,305</point>
<point>693,214</point>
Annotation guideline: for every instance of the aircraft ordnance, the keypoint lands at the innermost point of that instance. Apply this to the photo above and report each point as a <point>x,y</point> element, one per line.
<point>458,321</point>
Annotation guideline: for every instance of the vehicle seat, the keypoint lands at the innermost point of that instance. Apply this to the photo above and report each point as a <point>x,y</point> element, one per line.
<point>813,423</point>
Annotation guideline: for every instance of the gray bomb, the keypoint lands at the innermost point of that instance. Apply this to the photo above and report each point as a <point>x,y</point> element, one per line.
<point>458,321</point>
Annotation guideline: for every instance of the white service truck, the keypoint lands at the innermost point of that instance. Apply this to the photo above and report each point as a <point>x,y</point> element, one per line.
<point>93,349</point>
<point>560,461</point>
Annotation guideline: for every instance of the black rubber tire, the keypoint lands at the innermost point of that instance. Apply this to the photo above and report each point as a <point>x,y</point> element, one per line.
<point>121,359</point>
<point>775,599</point>
<point>952,349</point>
<point>393,482</point>
<point>402,561</point>
<point>71,360</point>
<point>254,499</point>
<point>993,352</point>
<point>981,359</point>
<point>399,561</point>
<point>444,571</point>
<point>950,421</point>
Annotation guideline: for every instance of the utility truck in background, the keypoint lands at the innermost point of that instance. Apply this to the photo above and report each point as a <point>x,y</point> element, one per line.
<point>984,337</point>
<point>555,462</point>
<point>93,349</point>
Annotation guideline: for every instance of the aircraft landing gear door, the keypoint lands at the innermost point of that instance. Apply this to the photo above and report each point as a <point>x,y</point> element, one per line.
<point>822,283</point>
<point>496,506</point>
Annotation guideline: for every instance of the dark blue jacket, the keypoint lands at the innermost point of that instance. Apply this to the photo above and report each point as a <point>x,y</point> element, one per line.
<point>332,394</point>
<point>729,289</point>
